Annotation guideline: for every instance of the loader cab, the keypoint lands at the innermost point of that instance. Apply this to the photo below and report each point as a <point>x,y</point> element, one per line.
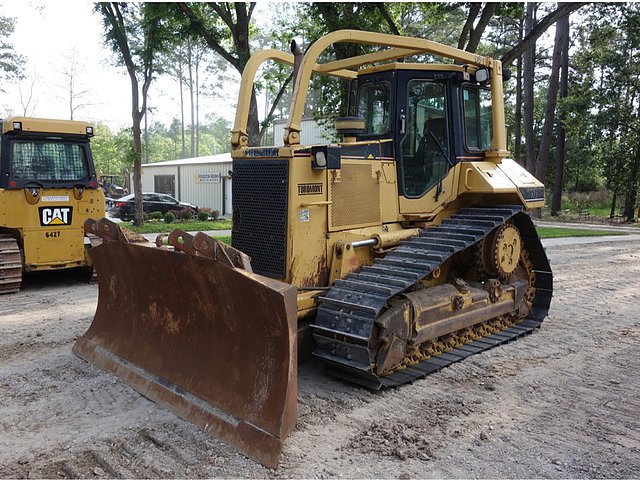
<point>433,115</point>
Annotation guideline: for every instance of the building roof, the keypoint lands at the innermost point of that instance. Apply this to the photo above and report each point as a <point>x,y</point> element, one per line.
<point>220,158</point>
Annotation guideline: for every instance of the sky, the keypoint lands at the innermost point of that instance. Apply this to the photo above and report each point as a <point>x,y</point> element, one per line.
<point>48,33</point>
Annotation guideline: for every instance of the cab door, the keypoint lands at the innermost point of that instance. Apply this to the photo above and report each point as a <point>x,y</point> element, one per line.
<point>425,149</point>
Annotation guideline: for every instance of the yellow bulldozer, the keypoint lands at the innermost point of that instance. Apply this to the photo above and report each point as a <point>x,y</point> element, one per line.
<point>388,255</point>
<point>48,188</point>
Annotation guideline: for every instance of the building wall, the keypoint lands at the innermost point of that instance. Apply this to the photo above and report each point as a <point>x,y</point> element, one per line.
<point>312,133</point>
<point>202,184</point>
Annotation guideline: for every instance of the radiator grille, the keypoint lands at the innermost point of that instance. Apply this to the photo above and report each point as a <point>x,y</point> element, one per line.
<point>355,200</point>
<point>260,203</point>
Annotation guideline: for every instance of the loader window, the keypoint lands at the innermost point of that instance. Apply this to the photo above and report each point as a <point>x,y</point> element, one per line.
<point>48,161</point>
<point>425,146</point>
<point>477,118</point>
<point>373,106</point>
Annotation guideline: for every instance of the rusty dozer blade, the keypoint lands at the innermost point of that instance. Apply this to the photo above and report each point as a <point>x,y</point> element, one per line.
<point>193,329</point>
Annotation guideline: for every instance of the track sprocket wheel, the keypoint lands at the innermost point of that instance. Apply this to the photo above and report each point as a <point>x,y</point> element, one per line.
<point>501,251</point>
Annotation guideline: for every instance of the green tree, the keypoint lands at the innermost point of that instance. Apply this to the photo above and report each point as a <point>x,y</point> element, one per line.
<point>11,64</point>
<point>227,30</point>
<point>136,33</point>
<point>611,76</point>
<point>112,153</point>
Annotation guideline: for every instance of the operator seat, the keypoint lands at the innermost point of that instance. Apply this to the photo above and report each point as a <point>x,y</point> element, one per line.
<point>432,152</point>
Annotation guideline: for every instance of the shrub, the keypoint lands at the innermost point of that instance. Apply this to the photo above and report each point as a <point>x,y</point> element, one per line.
<point>203,216</point>
<point>185,214</point>
<point>169,217</point>
<point>156,215</point>
<point>211,214</point>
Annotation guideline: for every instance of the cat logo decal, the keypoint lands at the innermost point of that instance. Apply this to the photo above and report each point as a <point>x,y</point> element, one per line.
<point>55,216</point>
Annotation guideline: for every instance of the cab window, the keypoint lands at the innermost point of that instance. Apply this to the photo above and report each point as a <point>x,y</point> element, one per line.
<point>48,161</point>
<point>373,105</point>
<point>477,118</point>
<point>425,145</point>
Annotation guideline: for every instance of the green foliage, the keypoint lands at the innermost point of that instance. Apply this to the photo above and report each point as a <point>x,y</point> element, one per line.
<point>189,225</point>
<point>165,143</point>
<point>552,232</point>
<point>605,95</point>
<point>203,216</point>
<point>169,217</point>
<point>11,64</point>
<point>185,214</point>
<point>224,239</point>
<point>594,200</point>
<point>156,216</point>
<point>210,213</point>
<point>136,32</point>
<point>112,152</point>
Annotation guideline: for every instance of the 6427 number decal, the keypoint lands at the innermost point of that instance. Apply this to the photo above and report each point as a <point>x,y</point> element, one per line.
<point>52,234</point>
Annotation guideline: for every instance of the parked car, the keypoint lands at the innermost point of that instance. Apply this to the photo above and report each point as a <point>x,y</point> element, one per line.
<point>151,202</point>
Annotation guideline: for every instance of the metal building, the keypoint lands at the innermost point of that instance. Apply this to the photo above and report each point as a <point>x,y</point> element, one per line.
<point>312,132</point>
<point>203,181</point>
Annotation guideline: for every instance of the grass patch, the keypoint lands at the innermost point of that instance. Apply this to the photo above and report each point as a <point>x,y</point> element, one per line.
<point>553,232</point>
<point>599,212</point>
<point>188,226</point>
<point>225,239</point>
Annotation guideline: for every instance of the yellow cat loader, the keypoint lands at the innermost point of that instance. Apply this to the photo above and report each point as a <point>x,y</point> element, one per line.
<point>388,255</point>
<point>48,188</point>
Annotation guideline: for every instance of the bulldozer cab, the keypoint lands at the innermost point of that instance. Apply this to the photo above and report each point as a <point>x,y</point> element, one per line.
<point>435,117</point>
<point>41,153</point>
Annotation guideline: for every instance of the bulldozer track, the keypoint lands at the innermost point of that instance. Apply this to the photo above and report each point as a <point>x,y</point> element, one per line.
<point>347,313</point>
<point>10,264</point>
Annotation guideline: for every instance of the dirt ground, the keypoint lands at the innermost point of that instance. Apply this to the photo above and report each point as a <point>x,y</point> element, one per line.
<point>563,402</point>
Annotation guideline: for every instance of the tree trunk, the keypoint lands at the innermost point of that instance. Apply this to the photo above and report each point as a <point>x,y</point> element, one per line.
<point>528,74</point>
<point>191,104</point>
<point>612,213</point>
<point>474,9</point>
<point>181,82</point>
<point>197,93</point>
<point>561,150</point>
<point>138,213</point>
<point>477,32</point>
<point>542,161</point>
<point>146,138</point>
<point>632,188</point>
<point>113,15</point>
<point>253,124</point>
<point>564,9</point>
<point>239,29</point>
<point>517,147</point>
